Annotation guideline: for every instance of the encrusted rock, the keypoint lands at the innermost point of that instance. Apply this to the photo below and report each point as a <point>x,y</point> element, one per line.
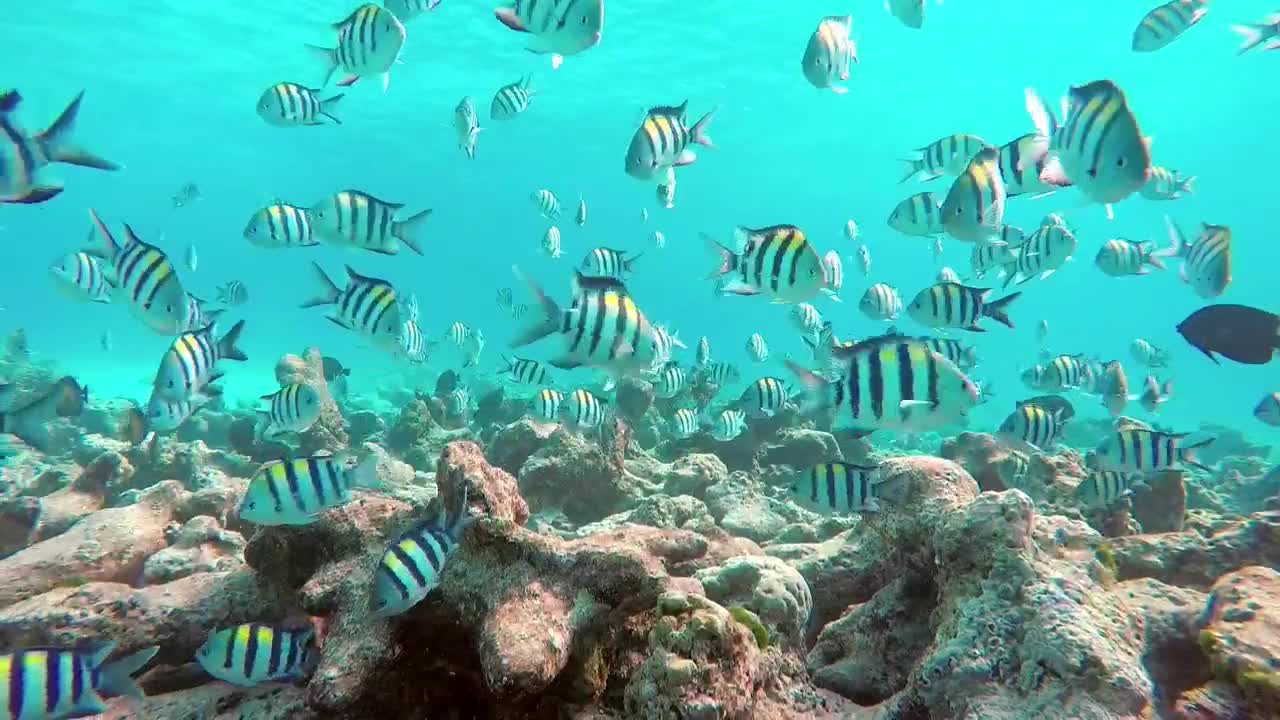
<point>767,586</point>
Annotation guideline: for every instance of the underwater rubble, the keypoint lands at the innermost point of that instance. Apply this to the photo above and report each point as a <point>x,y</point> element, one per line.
<point>633,575</point>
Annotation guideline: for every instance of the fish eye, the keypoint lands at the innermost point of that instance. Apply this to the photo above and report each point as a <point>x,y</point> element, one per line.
<point>171,383</point>
<point>1120,161</point>
<point>251,505</point>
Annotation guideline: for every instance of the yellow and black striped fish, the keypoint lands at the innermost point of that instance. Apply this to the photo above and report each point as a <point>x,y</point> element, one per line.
<point>1136,449</point>
<point>778,261</point>
<point>82,277</point>
<point>22,155</point>
<point>764,397</point>
<point>253,653</point>
<point>973,210</point>
<point>411,566</point>
<point>145,277</point>
<point>958,306</point>
<point>512,99</point>
<point>1033,425</point>
<point>838,487</point>
<point>280,226</point>
<point>368,306</point>
<point>582,409</point>
<point>662,141</point>
<point>1206,262</point>
<point>1166,23</point>
<point>526,371</point>
<point>919,215</point>
<point>546,404</point>
<point>603,328</point>
<point>369,41</point>
<point>1041,254</point>
<point>357,219</point>
<point>287,104</point>
<point>294,492</point>
<point>191,362</point>
<point>946,156</point>
<point>608,262</point>
<point>685,422</point>
<point>892,382</point>
<point>1099,145</point>
<point>48,683</point>
<point>1027,167</point>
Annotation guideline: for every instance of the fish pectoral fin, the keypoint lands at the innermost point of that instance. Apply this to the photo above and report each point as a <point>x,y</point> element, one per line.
<point>507,16</point>
<point>32,195</point>
<point>565,363</point>
<point>686,157</point>
<point>737,287</point>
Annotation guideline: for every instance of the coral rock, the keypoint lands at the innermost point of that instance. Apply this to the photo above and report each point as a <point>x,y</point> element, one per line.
<point>1190,558</point>
<point>692,474</point>
<point>515,443</point>
<point>767,586</point>
<point>1241,636</point>
<point>491,489</point>
<point>201,545</point>
<point>1161,509</point>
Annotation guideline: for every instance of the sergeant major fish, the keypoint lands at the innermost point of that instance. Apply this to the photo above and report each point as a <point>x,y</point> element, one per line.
<point>728,425</point>
<point>1254,34</point>
<point>662,141</point>
<point>355,218</point>
<point>81,276</point>
<point>289,104</point>
<point>466,127</point>
<point>1166,23</point>
<point>945,156</point>
<point>556,27</point>
<point>410,568</point>
<point>1136,449</point>
<point>294,492</point>
<point>146,278</point>
<point>512,99</point>
<point>828,53</point>
<point>22,155</point>
<point>369,42</point>
<point>973,210</point>
<point>280,226</point>
<point>919,215</point>
<point>49,683</point>
<point>366,305</point>
<point>233,293</point>
<point>881,302</point>
<point>838,487</point>
<point>959,306</point>
<point>1166,184</point>
<point>253,653</point>
<point>1119,257</point>
<point>191,362</point>
<point>1206,262</point>
<point>406,10</point>
<point>778,261</point>
<point>292,409</point>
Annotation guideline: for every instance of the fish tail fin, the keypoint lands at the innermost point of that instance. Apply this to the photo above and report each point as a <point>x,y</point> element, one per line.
<point>227,343</point>
<point>330,293</point>
<point>1252,34</point>
<point>57,141</point>
<point>407,228</point>
<point>1185,185</point>
<point>1151,257</point>
<point>327,107</point>
<point>551,313</point>
<point>996,310</point>
<point>1187,453</point>
<point>1177,241</point>
<point>117,676</point>
<point>628,265</point>
<point>1041,116</point>
<point>329,56</point>
<point>909,168</point>
<point>726,255</point>
<point>110,246</point>
<point>700,134</point>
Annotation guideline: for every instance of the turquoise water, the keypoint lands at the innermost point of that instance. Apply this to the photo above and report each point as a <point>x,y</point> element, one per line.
<point>171,89</point>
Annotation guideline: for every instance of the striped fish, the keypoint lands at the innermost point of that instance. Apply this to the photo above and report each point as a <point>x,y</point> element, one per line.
<point>414,345</point>
<point>1136,449</point>
<point>604,328</point>
<point>1114,388</point>
<point>458,403</point>
<point>1206,262</point>
<point>1254,34</point>
<point>662,142</point>
<point>581,409</point>
<point>410,568</point>
<point>958,306</point>
<point>756,348</point>
<point>964,356</point>
<point>166,416</point>
<point>368,306</point>
<point>828,53</point>
<point>253,653</point>
<point>607,262</point>
<point>528,372</point>
<point>1166,23</point>
<point>459,333</point>
<point>352,218</point>
<point>46,683</point>
<point>834,270</point>
<point>1032,425</point>
<point>703,354</point>
<point>23,155</point>
<point>1154,394</point>
<point>665,344</point>
<point>406,10</point>
<point>466,127</point>
<point>666,190</point>
<point>289,104</point>
<point>891,382</point>
<point>919,215</point>
<point>233,293</point>
<point>721,373</point>
<point>556,27</point>
<point>513,99</point>
<point>191,362</point>
<point>1119,257</point>
<point>551,242</point>
<point>280,226</point>
<point>1148,354</point>
<point>293,409</point>
<point>1041,255</point>
<point>778,261</point>
<point>145,277</point>
<point>838,487</point>
<point>1063,372</point>
<point>369,42</point>
<point>947,275</point>
<point>198,315</point>
<point>881,302</point>
<point>807,318</point>
<point>728,425</point>
<point>546,404</point>
<point>685,423</point>
<point>1101,489</point>
<point>764,397</point>
<point>1027,167</point>
<point>986,257</point>
<point>1166,184</point>
<point>546,202</point>
<point>81,277</point>
<point>973,210</point>
<point>945,156</point>
<point>670,380</point>
<point>1099,145</point>
<point>294,492</point>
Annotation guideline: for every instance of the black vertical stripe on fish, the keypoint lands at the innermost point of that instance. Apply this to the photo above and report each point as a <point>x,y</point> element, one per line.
<point>619,331</point>
<point>410,564</point>
<point>931,371</point>
<point>317,481</point>
<point>875,382</point>
<point>275,491</point>
<point>52,678</point>
<point>855,387</point>
<point>1111,122</point>
<point>792,276</point>
<point>277,649</point>
<point>906,380</point>
<point>933,301</point>
<point>251,649</point>
<point>1124,448</point>
<point>597,326</point>
<point>145,277</point>
<point>229,653</point>
<point>434,547</point>
<point>1136,440</point>
<point>948,293</point>
<point>16,684</point>
<point>291,477</point>
<point>394,577</point>
<point>77,680</point>
<point>829,484</point>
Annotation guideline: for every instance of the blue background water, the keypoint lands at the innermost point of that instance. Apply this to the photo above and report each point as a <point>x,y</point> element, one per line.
<point>171,89</point>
